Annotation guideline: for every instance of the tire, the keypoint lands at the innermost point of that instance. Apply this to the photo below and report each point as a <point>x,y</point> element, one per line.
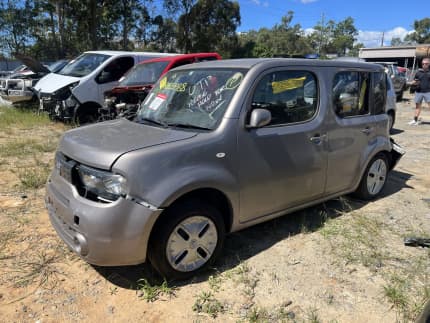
<point>86,115</point>
<point>374,178</point>
<point>186,240</point>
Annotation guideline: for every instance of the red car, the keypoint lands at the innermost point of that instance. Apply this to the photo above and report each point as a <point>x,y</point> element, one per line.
<point>124,100</point>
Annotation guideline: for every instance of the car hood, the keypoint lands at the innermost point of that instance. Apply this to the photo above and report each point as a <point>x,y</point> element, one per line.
<point>101,144</point>
<point>53,82</point>
<point>33,64</point>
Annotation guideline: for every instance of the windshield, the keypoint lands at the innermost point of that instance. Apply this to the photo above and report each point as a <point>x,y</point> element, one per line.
<point>83,65</point>
<point>194,98</point>
<point>57,66</point>
<point>145,73</point>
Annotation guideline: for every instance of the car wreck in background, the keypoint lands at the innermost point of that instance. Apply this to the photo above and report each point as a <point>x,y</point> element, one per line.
<point>124,100</point>
<point>76,93</point>
<point>16,87</point>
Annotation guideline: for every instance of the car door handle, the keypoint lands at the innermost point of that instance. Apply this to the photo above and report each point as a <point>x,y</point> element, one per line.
<point>367,130</point>
<point>317,139</point>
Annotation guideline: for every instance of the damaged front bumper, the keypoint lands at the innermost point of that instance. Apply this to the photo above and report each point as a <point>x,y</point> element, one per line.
<point>57,108</point>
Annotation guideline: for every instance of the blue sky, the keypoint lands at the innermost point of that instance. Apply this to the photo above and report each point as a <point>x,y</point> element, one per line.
<point>372,18</point>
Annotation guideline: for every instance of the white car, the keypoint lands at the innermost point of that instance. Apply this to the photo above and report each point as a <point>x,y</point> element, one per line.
<point>76,92</point>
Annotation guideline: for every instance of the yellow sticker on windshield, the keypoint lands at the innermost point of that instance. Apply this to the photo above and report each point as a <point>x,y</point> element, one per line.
<point>178,87</point>
<point>163,83</point>
<point>286,85</point>
<point>234,81</point>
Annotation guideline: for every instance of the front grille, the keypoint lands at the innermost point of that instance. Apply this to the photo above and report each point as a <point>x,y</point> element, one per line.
<point>45,96</point>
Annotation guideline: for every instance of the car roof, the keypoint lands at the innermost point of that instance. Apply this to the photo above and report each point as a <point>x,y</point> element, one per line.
<point>248,63</point>
<point>385,63</point>
<point>119,53</point>
<point>178,57</point>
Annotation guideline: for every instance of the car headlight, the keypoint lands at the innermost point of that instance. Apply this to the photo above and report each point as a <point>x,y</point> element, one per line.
<point>106,185</point>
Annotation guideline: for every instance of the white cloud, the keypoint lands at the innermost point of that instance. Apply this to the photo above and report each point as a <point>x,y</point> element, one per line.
<point>378,38</point>
<point>374,38</point>
<point>260,3</point>
<point>307,1</point>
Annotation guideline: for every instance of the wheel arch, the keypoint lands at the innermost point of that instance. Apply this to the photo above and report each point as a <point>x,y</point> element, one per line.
<point>211,196</point>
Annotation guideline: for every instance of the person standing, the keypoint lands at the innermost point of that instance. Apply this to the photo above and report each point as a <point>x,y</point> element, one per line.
<point>422,93</point>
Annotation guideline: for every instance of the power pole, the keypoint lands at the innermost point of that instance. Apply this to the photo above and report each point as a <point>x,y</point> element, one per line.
<point>321,34</point>
<point>382,40</point>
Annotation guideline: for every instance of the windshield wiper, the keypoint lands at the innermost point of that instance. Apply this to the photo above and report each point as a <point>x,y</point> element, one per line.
<point>187,126</point>
<point>149,120</point>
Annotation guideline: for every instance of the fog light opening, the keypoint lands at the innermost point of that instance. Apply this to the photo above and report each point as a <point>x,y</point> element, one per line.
<point>80,244</point>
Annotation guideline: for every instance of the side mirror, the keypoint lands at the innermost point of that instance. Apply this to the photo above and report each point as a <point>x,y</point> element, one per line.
<point>259,118</point>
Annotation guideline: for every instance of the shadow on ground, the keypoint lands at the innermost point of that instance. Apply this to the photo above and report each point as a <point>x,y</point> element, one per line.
<point>244,244</point>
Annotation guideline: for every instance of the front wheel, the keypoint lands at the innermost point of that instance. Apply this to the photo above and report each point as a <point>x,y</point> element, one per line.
<point>374,178</point>
<point>86,114</point>
<point>186,240</point>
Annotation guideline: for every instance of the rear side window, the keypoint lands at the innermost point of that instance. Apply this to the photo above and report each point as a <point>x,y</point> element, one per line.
<point>380,92</point>
<point>351,93</point>
<point>290,96</point>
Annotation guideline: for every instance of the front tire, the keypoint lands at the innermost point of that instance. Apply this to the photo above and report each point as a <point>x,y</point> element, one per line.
<point>186,240</point>
<point>86,114</point>
<point>374,178</point>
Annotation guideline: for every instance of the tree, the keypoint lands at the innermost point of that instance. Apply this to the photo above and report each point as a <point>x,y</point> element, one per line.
<point>213,25</point>
<point>281,40</point>
<point>344,36</point>
<point>334,38</point>
<point>180,10</point>
<point>16,21</point>
<point>421,35</point>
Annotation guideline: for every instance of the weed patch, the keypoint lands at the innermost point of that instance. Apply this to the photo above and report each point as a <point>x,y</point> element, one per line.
<point>207,303</point>
<point>33,178</point>
<point>151,293</point>
<point>39,267</point>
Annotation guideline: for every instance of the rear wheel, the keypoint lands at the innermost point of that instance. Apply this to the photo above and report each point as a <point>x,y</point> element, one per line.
<point>374,178</point>
<point>188,239</point>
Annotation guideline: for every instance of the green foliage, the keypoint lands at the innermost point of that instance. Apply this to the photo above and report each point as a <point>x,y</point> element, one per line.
<point>209,26</point>
<point>151,293</point>
<point>35,177</point>
<point>49,29</point>
<point>21,118</point>
<point>421,35</point>
<point>207,303</point>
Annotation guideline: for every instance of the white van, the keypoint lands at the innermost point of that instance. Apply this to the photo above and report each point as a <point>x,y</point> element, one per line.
<point>76,92</point>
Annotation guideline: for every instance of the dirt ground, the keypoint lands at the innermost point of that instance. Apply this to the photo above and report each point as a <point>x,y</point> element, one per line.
<point>341,261</point>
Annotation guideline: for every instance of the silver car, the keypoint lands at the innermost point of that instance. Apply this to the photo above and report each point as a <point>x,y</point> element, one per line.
<point>217,147</point>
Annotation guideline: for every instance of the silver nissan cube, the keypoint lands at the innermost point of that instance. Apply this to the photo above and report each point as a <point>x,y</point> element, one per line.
<point>217,147</point>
